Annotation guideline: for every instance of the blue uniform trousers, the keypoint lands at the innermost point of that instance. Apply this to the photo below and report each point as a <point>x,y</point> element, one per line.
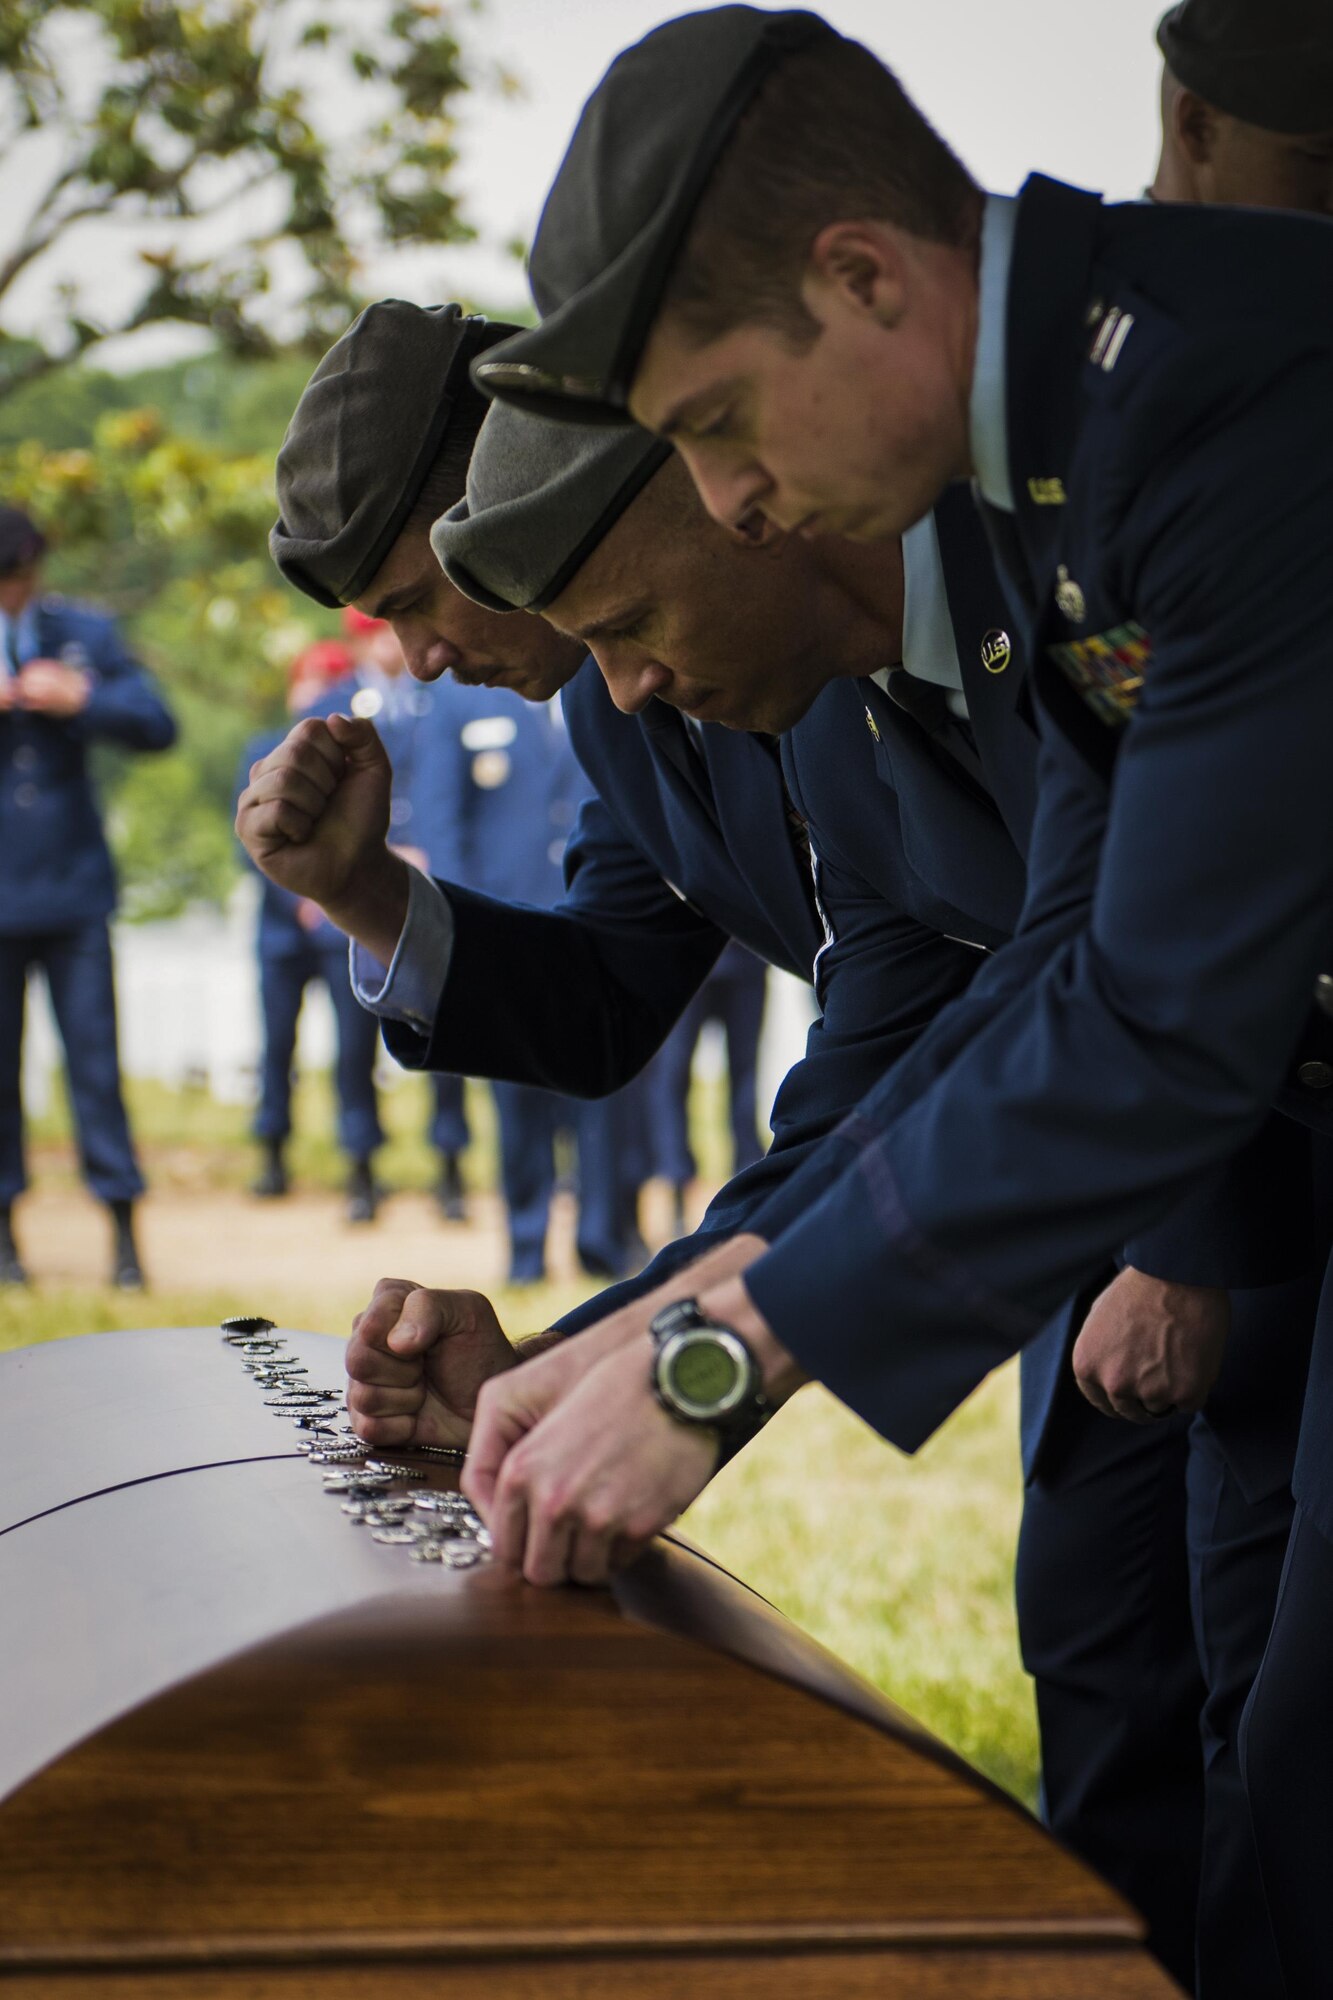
<point>1148,1570</point>
<point>736,1000</point>
<point>448,1125</point>
<point>282,983</point>
<point>77,964</point>
<point>613,1165</point>
<point>1287,1736</point>
<point>1103,1613</point>
<point>1288,1758</point>
<point>529,1118</point>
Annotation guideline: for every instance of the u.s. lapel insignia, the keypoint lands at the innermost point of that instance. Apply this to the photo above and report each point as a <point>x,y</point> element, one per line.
<point>1107,670</point>
<point>872,725</point>
<point>1069,598</point>
<point>1047,492</point>
<point>996,651</point>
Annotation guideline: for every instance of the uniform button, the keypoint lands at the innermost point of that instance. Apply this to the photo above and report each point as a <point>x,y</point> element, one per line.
<point>25,757</point>
<point>25,795</point>
<point>1315,1075</point>
<point>1323,992</point>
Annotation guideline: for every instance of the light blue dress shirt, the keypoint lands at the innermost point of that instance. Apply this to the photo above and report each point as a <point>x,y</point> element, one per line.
<point>408,989</point>
<point>930,652</point>
<point>987,422</point>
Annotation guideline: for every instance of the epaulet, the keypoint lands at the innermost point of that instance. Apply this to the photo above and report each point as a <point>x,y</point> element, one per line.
<point>1110,327</point>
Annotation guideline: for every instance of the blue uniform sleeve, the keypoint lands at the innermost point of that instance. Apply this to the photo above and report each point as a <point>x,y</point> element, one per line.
<point>124,705</point>
<point>881,979</point>
<point>1140,1047</point>
<point>576,998</point>
<point>1247,1224</point>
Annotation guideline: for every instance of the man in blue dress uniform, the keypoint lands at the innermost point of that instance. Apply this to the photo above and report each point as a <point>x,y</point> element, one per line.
<point>1247,117</point>
<point>399,709</point>
<point>66,680</point>
<point>296,943</point>
<point>361,478</point>
<point>708,809</point>
<point>497,798</point>
<point>1106,1586</point>
<point>1142,397</point>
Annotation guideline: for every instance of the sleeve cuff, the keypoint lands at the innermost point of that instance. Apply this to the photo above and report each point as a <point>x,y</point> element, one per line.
<point>410,989</point>
<point>897,1330</point>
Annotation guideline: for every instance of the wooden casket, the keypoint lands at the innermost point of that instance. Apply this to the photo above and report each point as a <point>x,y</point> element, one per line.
<point>248,1749</point>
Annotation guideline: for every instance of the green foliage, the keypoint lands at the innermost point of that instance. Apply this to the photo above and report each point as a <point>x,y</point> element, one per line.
<point>210,112</point>
<point>299,134</point>
<point>170,853</point>
<point>169,531</point>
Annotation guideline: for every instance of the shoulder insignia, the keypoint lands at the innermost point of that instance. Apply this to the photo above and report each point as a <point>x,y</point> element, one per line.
<point>1109,340</point>
<point>871,724</point>
<point>1107,670</point>
<point>1047,492</point>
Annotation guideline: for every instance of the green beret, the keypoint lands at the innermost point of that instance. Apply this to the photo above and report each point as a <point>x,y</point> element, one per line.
<point>370,424</point>
<point>540,497</point>
<point>618,210</point>
<point>1266,62</point>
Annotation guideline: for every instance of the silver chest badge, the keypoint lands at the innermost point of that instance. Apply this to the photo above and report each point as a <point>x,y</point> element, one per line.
<point>1069,598</point>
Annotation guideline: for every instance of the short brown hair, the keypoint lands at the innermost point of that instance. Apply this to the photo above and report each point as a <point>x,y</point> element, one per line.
<point>830,137</point>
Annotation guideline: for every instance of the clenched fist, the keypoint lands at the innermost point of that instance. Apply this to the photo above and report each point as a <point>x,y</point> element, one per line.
<point>417,1360</point>
<point>1149,1348</point>
<point>314,818</point>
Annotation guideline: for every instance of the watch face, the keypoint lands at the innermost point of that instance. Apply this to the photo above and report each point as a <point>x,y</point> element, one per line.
<point>703,1373</point>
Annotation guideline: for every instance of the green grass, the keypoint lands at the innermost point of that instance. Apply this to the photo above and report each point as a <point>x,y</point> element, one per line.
<point>189,1139</point>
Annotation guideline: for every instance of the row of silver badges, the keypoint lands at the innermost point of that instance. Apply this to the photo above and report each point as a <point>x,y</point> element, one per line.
<point>432,1527</point>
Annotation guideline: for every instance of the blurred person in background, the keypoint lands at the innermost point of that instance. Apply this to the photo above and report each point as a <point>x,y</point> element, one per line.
<point>66,680</point>
<point>296,943</point>
<point>387,695</point>
<point>498,788</point>
<point>733,996</point>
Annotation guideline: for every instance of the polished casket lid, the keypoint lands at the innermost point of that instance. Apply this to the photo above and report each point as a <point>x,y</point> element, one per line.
<point>237,1734</point>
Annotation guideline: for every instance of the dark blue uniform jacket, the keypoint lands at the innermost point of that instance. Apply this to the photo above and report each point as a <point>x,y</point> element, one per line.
<point>693,841</point>
<point>56,871</point>
<point>1177,472</point>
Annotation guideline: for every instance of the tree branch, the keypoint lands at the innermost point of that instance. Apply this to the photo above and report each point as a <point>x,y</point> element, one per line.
<point>34,246</point>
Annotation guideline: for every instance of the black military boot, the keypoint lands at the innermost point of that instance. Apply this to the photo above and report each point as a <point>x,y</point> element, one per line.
<point>11,1266</point>
<point>126,1271</point>
<point>449,1189</point>
<point>272,1178</point>
<point>363,1197</point>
